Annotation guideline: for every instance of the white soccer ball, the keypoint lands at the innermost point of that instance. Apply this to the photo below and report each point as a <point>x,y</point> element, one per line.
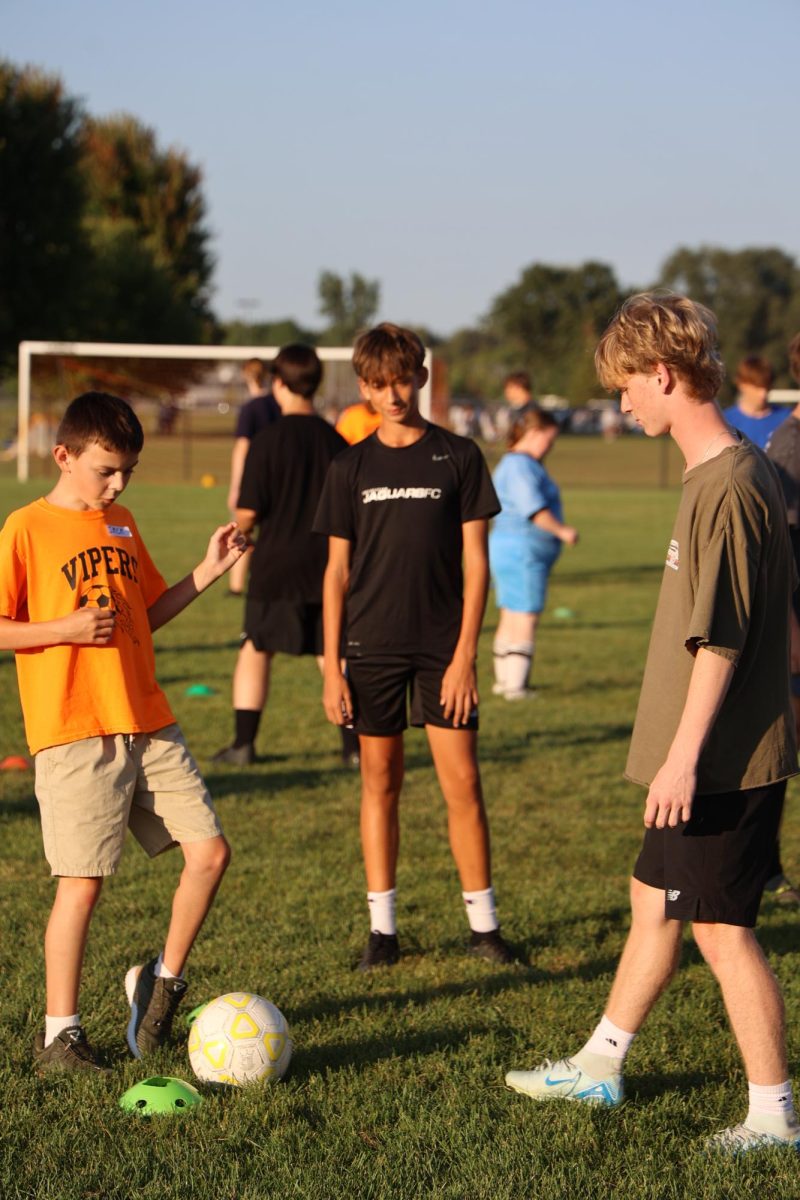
<point>238,1038</point>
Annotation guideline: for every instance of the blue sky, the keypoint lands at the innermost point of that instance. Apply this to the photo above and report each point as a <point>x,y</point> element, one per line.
<point>441,147</point>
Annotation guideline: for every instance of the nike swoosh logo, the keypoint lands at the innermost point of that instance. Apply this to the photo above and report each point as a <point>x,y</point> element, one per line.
<point>555,1082</point>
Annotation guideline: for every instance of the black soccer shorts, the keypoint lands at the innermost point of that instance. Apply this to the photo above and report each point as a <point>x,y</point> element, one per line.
<point>713,867</point>
<point>381,685</point>
<point>283,626</point>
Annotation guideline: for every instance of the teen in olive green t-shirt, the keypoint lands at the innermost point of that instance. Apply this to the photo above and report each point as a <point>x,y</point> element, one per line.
<point>725,589</point>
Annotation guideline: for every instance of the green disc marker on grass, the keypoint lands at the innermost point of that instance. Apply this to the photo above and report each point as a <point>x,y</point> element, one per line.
<point>199,689</point>
<point>194,1014</point>
<point>160,1096</point>
<point>563,614</point>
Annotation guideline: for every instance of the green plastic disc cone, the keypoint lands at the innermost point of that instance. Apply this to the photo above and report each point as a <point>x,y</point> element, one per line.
<point>194,1014</point>
<point>199,689</point>
<point>163,1094</point>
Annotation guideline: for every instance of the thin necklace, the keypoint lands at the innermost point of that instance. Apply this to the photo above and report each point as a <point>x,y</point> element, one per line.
<point>713,442</point>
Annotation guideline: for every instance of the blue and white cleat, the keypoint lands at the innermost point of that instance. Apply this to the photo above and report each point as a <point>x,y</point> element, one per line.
<point>565,1080</point>
<point>741,1139</point>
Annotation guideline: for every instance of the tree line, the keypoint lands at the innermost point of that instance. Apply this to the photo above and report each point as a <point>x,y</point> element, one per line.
<point>104,237</point>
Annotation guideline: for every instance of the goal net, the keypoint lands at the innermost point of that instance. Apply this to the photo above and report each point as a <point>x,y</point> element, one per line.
<point>187,398</point>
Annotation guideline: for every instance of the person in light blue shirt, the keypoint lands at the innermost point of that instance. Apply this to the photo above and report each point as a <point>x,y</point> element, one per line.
<point>524,544</point>
<point>752,415</point>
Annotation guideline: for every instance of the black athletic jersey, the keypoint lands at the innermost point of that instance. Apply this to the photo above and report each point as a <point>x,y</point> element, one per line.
<point>402,508</point>
<point>283,476</point>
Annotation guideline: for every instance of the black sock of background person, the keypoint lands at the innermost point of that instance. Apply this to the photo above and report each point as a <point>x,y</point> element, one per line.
<point>247,722</point>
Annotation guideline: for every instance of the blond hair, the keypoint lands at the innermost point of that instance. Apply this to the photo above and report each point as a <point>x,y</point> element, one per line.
<point>655,327</point>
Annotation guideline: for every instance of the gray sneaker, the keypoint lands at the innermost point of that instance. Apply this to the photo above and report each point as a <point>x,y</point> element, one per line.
<point>153,1004</point>
<point>69,1051</point>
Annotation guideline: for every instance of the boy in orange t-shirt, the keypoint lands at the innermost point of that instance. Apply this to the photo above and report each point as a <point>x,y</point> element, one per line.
<point>79,600</point>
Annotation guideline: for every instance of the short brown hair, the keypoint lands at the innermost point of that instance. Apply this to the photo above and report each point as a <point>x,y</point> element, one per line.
<point>654,327</point>
<point>755,370</point>
<point>387,352</point>
<point>254,371</point>
<point>530,417</point>
<point>519,379</point>
<point>794,357</point>
<point>102,418</point>
<point>299,368</point>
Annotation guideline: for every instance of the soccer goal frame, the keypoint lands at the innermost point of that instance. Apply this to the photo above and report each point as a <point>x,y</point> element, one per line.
<point>30,349</point>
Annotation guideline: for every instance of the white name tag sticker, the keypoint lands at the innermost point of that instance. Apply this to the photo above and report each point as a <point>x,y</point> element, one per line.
<point>119,530</point>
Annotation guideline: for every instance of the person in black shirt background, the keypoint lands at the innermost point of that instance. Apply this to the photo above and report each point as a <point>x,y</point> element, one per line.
<point>281,484</point>
<point>255,414</point>
<point>402,509</point>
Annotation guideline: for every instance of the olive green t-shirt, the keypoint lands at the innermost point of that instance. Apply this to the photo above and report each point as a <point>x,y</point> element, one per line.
<point>727,586</point>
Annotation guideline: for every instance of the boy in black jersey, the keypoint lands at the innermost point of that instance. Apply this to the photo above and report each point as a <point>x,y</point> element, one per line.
<point>402,508</point>
<point>281,484</point>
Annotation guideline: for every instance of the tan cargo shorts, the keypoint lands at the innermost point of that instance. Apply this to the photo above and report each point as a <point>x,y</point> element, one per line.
<point>93,790</point>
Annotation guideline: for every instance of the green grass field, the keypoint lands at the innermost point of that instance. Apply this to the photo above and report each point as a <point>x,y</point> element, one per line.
<point>395,1089</point>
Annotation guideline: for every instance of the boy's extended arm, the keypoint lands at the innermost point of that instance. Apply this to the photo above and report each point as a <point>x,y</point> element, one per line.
<point>669,799</point>
<point>459,683</point>
<point>84,627</point>
<point>226,546</point>
<point>336,698</point>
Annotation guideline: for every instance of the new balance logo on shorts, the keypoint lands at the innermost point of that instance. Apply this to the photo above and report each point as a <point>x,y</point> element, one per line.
<point>672,894</point>
<point>673,555</point>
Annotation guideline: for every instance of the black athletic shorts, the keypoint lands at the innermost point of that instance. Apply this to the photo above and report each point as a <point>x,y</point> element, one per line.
<point>381,684</point>
<point>713,867</point>
<point>283,626</point>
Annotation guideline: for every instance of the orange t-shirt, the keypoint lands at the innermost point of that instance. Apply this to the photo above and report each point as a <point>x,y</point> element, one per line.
<point>53,561</point>
<point>356,423</point>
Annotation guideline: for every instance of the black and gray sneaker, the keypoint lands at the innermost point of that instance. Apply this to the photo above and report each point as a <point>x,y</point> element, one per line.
<point>69,1051</point>
<point>153,1004</point>
<point>236,756</point>
<point>382,950</point>
<point>491,946</point>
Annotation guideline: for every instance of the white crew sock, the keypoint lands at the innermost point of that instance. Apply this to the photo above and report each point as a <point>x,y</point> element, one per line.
<point>499,650</point>
<point>770,1101</point>
<point>481,910</point>
<point>519,656</point>
<point>382,911</point>
<point>609,1040</point>
<point>54,1025</point>
<point>162,972</point>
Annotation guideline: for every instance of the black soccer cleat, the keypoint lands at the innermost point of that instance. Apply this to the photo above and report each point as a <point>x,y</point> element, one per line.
<point>69,1051</point>
<point>236,756</point>
<point>491,946</point>
<point>153,1002</point>
<point>382,950</point>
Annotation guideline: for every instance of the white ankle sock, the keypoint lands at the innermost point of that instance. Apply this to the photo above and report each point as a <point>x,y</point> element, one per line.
<point>54,1025</point>
<point>382,911</point>
<point>519,656</point>
<point>770,1100</point>
<point>500,650</point>
<point>481,910</point>
<point>609,1039</point>
<point>162,972</point>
